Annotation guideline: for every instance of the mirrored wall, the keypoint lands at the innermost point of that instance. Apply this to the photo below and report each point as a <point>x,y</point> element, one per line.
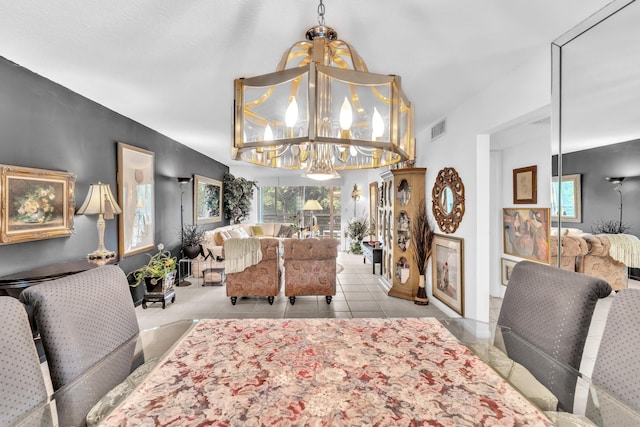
<point>596,120</point>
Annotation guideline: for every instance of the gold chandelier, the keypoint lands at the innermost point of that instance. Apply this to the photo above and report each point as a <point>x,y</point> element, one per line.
<point>322,111</point>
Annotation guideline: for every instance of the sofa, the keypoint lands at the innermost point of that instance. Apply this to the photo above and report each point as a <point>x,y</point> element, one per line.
<point>310,268</point>
<point>212,246</point>
<point>261,279</point>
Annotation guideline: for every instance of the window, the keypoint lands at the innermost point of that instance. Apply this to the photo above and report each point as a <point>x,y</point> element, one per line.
<point>284,204</point>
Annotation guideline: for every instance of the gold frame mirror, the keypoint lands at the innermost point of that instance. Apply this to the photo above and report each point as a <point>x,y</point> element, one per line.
<point>448,200</point>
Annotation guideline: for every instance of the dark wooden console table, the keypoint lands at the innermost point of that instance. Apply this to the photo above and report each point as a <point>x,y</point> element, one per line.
<point>372,254</point>
<point>14,283</point>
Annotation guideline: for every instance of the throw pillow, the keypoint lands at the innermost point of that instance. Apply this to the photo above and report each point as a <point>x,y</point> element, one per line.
<point>285,231</point>
<point>218,238</point>
<point>236,233</point>
<point>243,232</point>
<point>225,235</point>
<point>257,230</point>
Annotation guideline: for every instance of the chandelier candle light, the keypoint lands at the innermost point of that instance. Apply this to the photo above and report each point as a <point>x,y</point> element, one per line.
<point>100,201</point>
<point>322,111</point>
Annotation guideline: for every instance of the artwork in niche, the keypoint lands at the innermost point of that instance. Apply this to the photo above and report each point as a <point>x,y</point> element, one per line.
<point>36,204</point>
<point>506,266</point>
<point>448,281</point>
<point>571,202</point>
<point>207,200</point>
<point>136,198</point>
<point>402,270</point>
<point>525,185</point>
<point>403,231</point>
<point>373,211</point>
<point>526,233</point>
<point>404,192</point>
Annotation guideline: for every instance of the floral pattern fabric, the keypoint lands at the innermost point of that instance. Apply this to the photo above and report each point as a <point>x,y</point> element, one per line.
<point>324,372</point>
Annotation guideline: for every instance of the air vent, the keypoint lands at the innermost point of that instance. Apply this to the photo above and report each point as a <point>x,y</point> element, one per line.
<point>438,129</point>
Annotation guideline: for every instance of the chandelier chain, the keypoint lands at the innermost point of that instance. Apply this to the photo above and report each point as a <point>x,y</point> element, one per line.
<point>321,13</point>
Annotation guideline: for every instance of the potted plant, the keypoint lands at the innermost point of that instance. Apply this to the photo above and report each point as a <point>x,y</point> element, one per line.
<point>421,241</point>
<point>160,269</point>
<point>357,228</point>
<point>192,237</point>
<point>238,193</point>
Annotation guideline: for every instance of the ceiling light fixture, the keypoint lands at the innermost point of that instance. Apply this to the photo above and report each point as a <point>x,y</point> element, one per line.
<point>322,111</point>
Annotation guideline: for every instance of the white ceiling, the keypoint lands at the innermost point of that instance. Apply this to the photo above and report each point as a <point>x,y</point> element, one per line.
<point>170,64</point>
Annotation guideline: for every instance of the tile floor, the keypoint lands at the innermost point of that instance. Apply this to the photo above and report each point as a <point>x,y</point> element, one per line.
<point>358,295</point>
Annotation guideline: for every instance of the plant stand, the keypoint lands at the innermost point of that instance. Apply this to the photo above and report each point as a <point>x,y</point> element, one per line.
<point>159,290</point>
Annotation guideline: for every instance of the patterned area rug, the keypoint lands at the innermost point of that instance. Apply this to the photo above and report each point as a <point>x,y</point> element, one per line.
<point>339,268</point>
<point>324,372</point>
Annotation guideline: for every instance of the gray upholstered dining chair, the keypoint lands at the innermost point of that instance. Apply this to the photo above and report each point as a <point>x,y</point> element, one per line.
<point>81,319</point>
<point>617,366</point>
<point>22,384</point>
<point>551,309</point>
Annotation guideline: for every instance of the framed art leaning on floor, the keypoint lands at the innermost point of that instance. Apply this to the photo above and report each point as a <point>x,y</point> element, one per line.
<point>448,271</point>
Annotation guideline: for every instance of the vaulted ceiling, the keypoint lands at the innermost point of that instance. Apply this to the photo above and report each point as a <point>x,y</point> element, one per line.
<point>170,64</point>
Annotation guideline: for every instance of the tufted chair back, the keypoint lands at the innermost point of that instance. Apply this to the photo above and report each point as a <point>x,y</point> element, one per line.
<point>22,386</point>
<point>551,309</point>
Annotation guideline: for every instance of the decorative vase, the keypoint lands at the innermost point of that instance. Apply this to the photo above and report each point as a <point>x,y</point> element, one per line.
<point>153,284</point>
<point>192,251</point>
<point>421,297</point>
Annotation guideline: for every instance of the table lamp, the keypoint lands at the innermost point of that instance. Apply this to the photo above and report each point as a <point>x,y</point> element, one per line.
<point>100,201</point>
<point>312,205</point>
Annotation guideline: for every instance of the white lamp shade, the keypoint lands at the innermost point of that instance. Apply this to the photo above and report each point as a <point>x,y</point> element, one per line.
<point>99,200</point>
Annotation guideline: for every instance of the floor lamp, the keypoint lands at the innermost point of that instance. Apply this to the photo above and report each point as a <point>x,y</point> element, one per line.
<point>182,181</point>
<point>311,205</point>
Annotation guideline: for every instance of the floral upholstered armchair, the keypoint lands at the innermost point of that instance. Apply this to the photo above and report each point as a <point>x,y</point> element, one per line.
<point>310,268</point>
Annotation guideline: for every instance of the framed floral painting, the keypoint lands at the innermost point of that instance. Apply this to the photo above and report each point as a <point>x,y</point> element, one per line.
<point>136,224</point>
<point>207,200</point>
<point>36,204</point>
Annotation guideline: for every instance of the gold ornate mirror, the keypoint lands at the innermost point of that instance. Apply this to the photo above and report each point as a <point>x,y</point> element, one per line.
<point>448,200</point>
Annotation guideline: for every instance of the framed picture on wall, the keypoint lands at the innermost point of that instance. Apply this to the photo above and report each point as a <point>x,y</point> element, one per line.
<point>35,204</point>
<point>526,233</point>
<point>506,267</point>
<point>525,185</point>
<point>571,203</point>
<point>136,198</point>
<point>207,200</point>
<point>447,272</point>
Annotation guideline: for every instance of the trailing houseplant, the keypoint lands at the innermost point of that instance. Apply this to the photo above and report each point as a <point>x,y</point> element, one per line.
<point>238,193</point>
<point>421,242</point>
<point>192,236</point>
<point>357,228</point>
<point>161,266</point>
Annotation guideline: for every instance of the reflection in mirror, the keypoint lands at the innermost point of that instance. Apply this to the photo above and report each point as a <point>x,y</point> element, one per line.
<point>447,200</point>
<point>596,115</point>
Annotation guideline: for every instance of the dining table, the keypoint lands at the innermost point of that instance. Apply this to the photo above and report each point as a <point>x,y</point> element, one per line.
<point>313,372</point>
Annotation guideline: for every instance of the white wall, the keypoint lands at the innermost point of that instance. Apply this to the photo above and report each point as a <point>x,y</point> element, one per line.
<point>466,147</point>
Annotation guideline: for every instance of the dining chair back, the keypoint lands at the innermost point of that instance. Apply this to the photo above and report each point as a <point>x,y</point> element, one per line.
<point>551,309</point>
<point>22,384</point>
<point>83,318</point>
<point>617,365</point>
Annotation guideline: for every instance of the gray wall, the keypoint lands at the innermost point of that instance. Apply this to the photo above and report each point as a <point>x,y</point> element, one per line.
<point>599,200</point>
<point>44,125</point>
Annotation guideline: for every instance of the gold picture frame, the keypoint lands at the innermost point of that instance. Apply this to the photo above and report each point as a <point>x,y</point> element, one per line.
<point>136,224</point>
<point>448,271</point>
<point>207,200</point>
<point>525,185</point>
<point>526,233</point>
<point>35,204</point>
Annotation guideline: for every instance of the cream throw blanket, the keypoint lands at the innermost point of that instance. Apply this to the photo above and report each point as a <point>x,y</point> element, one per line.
<point>240,254</point>
<point>625,248</point>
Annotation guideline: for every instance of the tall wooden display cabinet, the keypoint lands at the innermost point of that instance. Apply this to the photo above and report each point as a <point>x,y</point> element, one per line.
<point>402,190</point>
